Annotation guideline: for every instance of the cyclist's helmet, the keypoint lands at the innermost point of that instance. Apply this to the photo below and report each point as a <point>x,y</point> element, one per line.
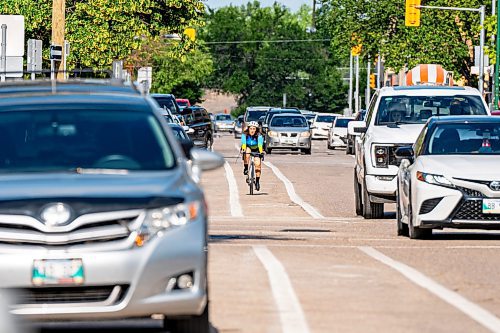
<point>253,124</point>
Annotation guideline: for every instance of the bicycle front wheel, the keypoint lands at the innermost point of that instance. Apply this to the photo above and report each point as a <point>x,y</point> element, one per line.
<point>252,178</point>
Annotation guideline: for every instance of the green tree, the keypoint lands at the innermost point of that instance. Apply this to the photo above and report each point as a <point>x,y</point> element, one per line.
<point>260,72</point>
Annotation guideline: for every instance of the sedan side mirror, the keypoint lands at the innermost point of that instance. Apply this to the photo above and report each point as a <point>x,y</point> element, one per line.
<point>206,160</point>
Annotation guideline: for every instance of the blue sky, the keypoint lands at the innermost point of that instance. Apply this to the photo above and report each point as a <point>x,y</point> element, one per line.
<point>292,4</point>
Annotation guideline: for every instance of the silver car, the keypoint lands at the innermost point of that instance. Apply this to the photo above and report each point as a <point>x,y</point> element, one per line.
<point>102,216</point>
<point>288,131</point>
<point>224,123</point>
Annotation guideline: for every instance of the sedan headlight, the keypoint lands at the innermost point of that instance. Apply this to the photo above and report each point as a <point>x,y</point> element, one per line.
<point>162,219</point>
<point>272,134</point>
<point>434,179</point>
<point>305,134</point>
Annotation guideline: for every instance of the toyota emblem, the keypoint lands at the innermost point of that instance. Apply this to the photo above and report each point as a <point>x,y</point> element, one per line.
<point>56,214</point>
<point>495,186</point>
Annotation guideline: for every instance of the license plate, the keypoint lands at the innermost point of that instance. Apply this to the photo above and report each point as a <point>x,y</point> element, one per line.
<point>57,272</point>
<point>289,141</point>
<point>491,206</point>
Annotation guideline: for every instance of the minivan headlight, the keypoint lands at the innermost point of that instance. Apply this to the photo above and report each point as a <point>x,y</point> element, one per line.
<point>162,219</point>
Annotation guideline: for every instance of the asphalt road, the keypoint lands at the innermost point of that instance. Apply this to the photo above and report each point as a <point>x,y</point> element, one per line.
<point>295,258</point>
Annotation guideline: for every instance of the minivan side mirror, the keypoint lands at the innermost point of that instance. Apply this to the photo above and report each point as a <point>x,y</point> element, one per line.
<point>356,127</point>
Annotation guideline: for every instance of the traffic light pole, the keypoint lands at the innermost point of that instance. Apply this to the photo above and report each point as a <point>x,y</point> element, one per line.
<point>368,89</point>
<point>482,12</point>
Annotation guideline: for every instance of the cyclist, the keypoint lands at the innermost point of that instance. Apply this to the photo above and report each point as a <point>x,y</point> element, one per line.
<point>252,141</point>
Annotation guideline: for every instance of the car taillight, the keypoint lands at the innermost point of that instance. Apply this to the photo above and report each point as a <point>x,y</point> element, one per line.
<point>381,156</point>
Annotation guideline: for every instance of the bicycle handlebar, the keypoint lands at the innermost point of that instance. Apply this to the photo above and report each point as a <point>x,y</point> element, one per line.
<point>254,154</point>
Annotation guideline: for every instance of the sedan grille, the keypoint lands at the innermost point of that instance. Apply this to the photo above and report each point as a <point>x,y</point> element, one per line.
<point>473,210</point>
<point>470,192</point>
<point>68,295</point>
<point>429,205</point>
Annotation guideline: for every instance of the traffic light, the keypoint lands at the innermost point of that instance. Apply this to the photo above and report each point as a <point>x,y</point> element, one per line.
<point>412,14</point>
<point>373,82</point>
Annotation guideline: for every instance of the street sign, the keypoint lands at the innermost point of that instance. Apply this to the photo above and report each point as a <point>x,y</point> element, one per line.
<point>56,52</point>
<point>412,13</point>
<point>14,67</point>
<point>34,59</point>
<point>145,77</point>
<point>15,34</point>
<point>118,69</point>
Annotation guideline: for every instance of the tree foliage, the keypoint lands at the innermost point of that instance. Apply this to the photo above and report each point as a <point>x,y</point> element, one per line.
<point>260,72</point>
<point>444,37</point>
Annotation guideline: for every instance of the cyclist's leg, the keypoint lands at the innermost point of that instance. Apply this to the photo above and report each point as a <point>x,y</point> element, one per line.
<point>258,170</point>
<point>246,160</point>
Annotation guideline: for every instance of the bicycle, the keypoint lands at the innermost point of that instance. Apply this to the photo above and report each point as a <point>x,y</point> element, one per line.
<point>251,170</point>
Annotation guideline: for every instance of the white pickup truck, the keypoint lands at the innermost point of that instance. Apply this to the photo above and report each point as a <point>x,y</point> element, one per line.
<point>395,118</point>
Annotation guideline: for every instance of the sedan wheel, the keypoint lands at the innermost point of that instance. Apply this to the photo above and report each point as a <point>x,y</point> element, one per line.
<point>402,227</point>
<point>194,324</point>
<point>416,232</point>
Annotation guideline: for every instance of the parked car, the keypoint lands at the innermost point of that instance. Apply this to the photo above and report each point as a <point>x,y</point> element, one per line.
<point>450,177</point>
<point>103,217</point>
<point>337,135</point>
<point>288,131</point>
<point>199,120</point>
<point>167,101</point>
<point>238,127</point>
<point>395,118</point>
<point>183,103</point>
<point>495,113</point>
<point>266,120</point>
<point>181,134</point>
<point>224,123</point>
<point>351,135</point>
<point>322,124</point>
<point>310,118</point>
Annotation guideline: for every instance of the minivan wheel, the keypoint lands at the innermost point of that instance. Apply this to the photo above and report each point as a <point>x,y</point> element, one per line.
<point>194,324</point>
<point>371,210</point>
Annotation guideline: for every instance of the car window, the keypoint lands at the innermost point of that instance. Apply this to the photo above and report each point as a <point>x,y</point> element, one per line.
<point>288,122</point>
<point>418,109</point>
<point>342,123</point>
<point>167,102</point>
<point>223,117</point>
<point>254,115</point>
<point>464,139</point>
<point>325,119</point>
<point>371,109</point>
<point>45,140</point>
<point>179,133</point>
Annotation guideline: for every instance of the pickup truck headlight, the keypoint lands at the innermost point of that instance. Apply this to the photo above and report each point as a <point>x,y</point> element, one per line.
<point>381,156</point>
<point>162,219</point>
<point>434,179</point>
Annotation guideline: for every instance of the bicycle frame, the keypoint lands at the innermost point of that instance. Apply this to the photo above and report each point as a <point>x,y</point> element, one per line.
<point>251,171</point>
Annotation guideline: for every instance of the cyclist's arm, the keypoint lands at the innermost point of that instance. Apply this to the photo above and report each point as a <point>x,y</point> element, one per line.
<point>243,142</point>
<point>260,143</point>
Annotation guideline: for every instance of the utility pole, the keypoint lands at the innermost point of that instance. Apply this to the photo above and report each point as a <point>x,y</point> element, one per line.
<point>497,65</point>
<point>314,16</point>
<point>350,84</point>
<point>58,26</point>
<point>368,91</point>
<point>356,90</point>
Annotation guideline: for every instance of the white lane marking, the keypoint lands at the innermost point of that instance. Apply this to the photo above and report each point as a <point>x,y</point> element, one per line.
<point>292,317</point>
<point>482,316</point>
<point>293,195</point>
<point>234,200</point>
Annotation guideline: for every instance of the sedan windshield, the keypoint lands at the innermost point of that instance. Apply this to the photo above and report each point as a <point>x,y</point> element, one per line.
<point>342,123</point>
<point>417,109</point>
<point>68,140</point>
<point>167,103</point>
<point>223,117</point>
<point>291,121</point>
<point>465,139</point>
<point>325,119</point>
<point>179,133</point>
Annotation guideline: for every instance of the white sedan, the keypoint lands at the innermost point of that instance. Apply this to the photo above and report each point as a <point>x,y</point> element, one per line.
<point>450,178</point>
<point>321,125</point>
<point>337,135</point>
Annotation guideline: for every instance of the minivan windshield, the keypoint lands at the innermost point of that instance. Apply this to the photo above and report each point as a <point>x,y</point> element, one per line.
<point>394,110</point>
<point>167,103</point>
<point>289,121</point>
<point>465,139</point>
<point>69,140</point>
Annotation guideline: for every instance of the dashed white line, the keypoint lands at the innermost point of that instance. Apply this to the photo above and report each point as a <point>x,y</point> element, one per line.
<point>293,195</point>
<point>480,315</point>
<point>234,200</point>
<point>290,311</point>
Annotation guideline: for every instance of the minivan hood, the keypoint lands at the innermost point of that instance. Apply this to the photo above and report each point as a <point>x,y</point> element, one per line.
<point>405,133</point>
<point>473,167</point>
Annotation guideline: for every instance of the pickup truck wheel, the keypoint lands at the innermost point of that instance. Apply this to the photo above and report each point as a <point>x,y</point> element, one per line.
<point>402,227</point>
<point>357,196</point>
<point>194,324</point>
<point>371,210</point>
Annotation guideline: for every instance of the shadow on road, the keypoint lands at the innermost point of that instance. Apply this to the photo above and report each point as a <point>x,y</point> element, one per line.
<point>123,326</point>
<point>465,235</point>
<point>227,238</point>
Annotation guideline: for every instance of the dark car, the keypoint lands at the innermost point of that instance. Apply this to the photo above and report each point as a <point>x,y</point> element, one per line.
<point>167,101</point>
<point>183,138</point>
<point>360,116</point>
<point>101,213</point>
<point>199,120</point>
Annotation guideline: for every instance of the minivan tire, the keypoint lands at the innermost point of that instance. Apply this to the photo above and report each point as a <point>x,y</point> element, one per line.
<point>193,324</point>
